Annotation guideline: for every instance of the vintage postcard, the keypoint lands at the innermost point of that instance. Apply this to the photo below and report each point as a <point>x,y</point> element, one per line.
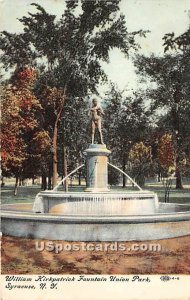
<point>95,157</point>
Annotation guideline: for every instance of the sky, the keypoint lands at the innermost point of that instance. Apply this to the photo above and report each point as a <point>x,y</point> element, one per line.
<point>158,16</point>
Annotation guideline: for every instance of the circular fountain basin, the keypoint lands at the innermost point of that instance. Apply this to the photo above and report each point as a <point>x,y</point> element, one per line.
<point>67,222</point>
<point>96,203</point>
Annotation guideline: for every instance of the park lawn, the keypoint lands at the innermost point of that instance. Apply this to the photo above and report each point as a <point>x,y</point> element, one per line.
<point>26,194</point>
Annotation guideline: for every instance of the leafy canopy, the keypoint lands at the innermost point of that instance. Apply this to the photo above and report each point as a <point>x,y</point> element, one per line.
<point>71,48</point>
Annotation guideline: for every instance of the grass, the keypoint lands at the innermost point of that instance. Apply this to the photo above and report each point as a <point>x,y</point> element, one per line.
<point>175,196</point>
<point>26,194</point>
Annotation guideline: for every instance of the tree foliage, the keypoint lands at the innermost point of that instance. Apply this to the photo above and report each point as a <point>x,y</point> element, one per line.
<point>22,146</point>
<point>166,154</point>
<point>126,123</point>
<point>140,157</point>
<point>170,94</point>
<point>67,54</point>
<point>181,42</point>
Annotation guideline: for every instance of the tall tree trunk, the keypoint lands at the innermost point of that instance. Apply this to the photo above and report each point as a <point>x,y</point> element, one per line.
<point>16,185</point>
<point>176,125</point>
<point>2,181</point>
<point>124,169</point>
<point>65,168</point>
<point>44,182</point>
<point>159,176</point>
<point>49,182</point>
<point>55,130</point>
<point>54,177</point>
<point>179,184</point>
<point>50,170</point>
<point>33,180</point>
<point>79,177</point>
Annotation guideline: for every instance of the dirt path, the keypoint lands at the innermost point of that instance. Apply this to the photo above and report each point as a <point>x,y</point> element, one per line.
<point>20,256</point>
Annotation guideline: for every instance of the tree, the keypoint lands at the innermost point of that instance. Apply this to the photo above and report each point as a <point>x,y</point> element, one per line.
<point>20,125</point>
<point>166,154</point>
<point>182,42</point>
<point>73,135</point>
<point>13,148</point>
<point>126,123</point>
<point>169,93</point>
<point>69,51</point>
<point>140,158</point>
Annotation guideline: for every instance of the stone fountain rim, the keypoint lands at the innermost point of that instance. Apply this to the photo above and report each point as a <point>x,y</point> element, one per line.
<point>100,193</point>
<point>46,217</point>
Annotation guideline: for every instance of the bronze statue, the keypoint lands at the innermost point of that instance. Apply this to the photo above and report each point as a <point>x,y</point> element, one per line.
<point>96,112</point>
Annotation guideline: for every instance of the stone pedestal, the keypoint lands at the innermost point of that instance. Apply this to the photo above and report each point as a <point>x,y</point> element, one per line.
<point>97,168</point>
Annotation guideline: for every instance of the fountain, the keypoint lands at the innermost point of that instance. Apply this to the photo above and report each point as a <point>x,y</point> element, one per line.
<point>97,213</point>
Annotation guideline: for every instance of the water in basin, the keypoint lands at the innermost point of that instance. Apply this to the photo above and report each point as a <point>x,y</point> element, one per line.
<point>105,206</point>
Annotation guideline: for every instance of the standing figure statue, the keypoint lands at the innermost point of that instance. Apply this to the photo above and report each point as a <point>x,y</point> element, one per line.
<point>96,111</point>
